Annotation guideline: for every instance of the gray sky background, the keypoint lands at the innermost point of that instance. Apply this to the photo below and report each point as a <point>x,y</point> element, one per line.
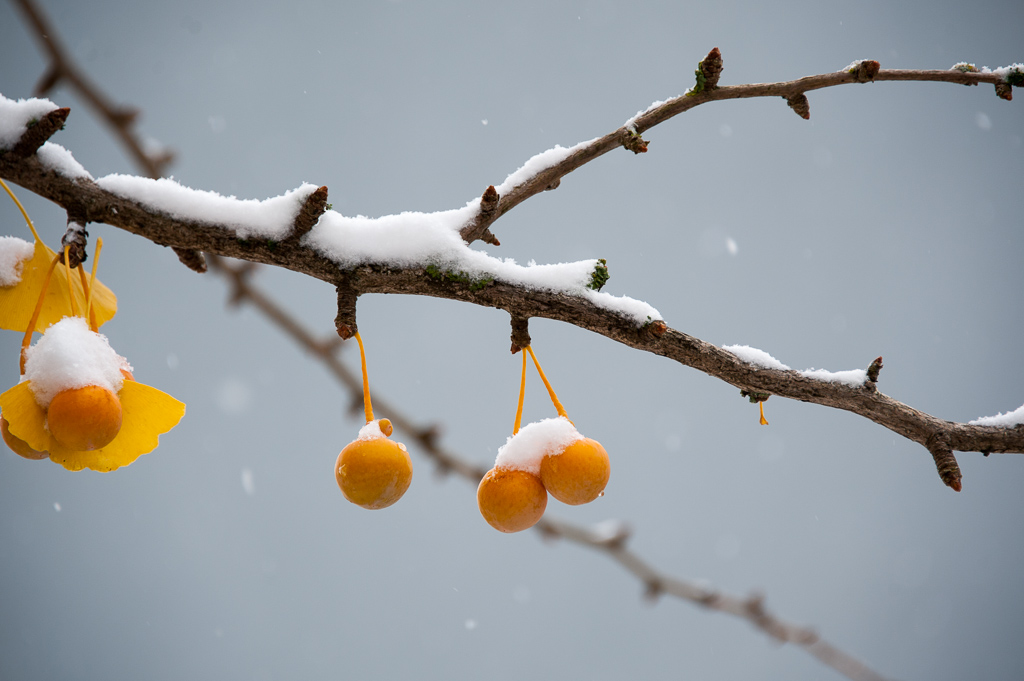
<point>889,224</point>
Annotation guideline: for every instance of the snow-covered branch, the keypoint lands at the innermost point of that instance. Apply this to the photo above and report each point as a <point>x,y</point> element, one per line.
<point>429,254</point>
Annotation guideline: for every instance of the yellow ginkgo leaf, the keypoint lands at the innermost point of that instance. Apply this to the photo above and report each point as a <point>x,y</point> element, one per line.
<point>147,414</point>
<point>26,420</point>
<point>19,301</point>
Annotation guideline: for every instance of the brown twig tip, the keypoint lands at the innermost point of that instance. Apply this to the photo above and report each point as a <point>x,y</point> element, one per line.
<point>711,68</point>
<point>520,333</point>
<point>314,206</point>
<point>800,105</point>
<point>76,238</point>
<point>37,134</point>
<point>949,470</point>
<point>192,259</point>
<point>479,227</point>
<point>873,369</point>
<point>489,201</point>
<point>865,70</point>
<point>1004,91</point>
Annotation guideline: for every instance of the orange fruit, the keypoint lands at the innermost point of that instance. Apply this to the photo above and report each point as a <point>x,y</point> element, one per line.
<point>19,446</point>
<point>84,419</point>
<point>578,474</point>
<point>511,500</point>
<point>373,473</point>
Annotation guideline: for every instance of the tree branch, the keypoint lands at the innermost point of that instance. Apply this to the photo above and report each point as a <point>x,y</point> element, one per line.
<point>100,205</point>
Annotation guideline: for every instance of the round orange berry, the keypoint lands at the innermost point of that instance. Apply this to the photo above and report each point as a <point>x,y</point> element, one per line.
<point>373,473</point>
<point>19,446</point>
<point>511,500</point>
<point>578,474</point>
<point>84,419</point>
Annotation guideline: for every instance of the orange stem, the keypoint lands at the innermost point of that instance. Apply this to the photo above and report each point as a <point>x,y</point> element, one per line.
<point>89,314</point>
<point>551,391</point>
<point>24,213</point>
<point>67,274</point>
<point>764,421</point>
<point>522,396</point>
<point>367,406</point>
<point>27,340</point>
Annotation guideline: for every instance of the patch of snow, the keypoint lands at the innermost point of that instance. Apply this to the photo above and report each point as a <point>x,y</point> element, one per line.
<point>854,377</point>
<point>1007,420</point>
<point>525,449</point>
<point>537,164</point>
<point>854,65</point>
<point>371,431</point>
<point>16,115</point>
<point>756,357</point>
<point>1005,71</point>
<point>630,123</point>
<point>406,240</point>
<point>423,239</point>
<point>57,158</point>
<point>71,355</point>
<point>269,219</point>
<point>13,253</point>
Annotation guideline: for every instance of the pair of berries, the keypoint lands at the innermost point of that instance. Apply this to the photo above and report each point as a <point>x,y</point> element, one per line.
<point>548,456</point>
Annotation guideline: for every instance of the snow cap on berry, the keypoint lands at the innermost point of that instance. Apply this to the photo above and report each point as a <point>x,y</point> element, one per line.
<point>71,355</point>
<point>525,449</point>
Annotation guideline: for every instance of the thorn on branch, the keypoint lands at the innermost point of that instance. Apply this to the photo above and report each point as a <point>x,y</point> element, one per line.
<point>939,445</point>
<point>76,238</point>
<point>520,333</point>
<point>192,259</point>
<point>865,70</point>
<point>345,322</point>
<point>800,105</point>
<point>37,134</point>
<point>312,208</point>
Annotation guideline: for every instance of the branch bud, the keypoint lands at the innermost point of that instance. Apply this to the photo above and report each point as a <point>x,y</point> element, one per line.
<point>800,105</point>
